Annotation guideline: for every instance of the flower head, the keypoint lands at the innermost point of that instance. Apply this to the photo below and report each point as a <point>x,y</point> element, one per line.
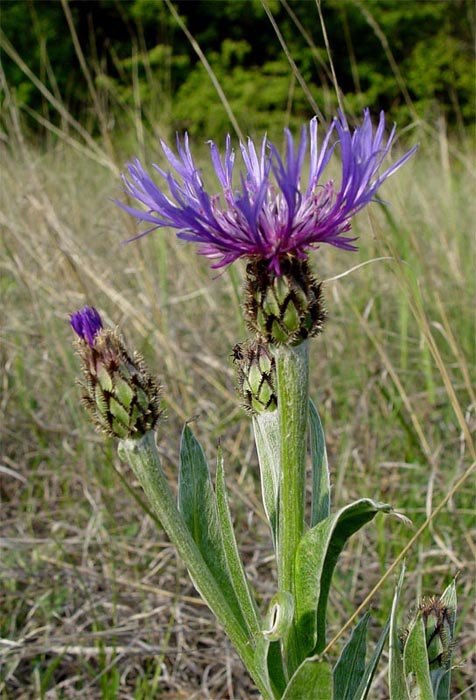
<point>270,215</point>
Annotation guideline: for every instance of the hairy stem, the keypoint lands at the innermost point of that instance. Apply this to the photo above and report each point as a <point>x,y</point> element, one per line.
<point>292,371</point>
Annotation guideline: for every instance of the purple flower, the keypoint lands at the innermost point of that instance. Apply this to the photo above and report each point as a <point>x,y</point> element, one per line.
<point>86,324</point>
<point>270,215</point>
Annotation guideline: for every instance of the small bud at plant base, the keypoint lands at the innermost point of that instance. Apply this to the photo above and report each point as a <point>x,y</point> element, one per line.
<point>287,308</point>
<point>256,376</point>
<point>438,615</point>
<point>438,621</point>
<point>119,393</point>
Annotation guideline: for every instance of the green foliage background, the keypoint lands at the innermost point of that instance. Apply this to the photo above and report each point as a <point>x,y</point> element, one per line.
<point>413,59</point>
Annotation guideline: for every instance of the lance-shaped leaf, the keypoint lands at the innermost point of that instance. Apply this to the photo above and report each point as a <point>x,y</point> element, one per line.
<point>316,558</point>
<point>266,431</point>
<point>350,667</point>
<point>198,506</point>
<point>269,662</point>
<point>396,676</point>
<point>440,682</point>
<point>321,487</point>
<point>144,459</point>
<point>364,686</point>
<point>238,575</point>
<point>311,681</point>
<point>415,662</point>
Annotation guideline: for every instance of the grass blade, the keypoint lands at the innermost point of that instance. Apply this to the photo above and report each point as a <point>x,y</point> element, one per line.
<point>350,667</point>
<point>397,684</point>
<point>363,690</point>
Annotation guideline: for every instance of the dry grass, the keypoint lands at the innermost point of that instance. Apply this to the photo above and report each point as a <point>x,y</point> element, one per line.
<point>94,602</point>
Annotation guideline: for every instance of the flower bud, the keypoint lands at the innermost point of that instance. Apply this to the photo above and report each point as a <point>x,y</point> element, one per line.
<point>286,308</point>
<point>437,615</point>
<point>118,391</point>
<point>256,376</point>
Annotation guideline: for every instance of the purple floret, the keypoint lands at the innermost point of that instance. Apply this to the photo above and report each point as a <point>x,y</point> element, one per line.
<point>86,324</point>
<point>269,216</point>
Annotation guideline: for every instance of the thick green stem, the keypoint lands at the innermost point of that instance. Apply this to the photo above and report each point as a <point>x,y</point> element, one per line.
<point>292,371</point>
<point>144,459</point>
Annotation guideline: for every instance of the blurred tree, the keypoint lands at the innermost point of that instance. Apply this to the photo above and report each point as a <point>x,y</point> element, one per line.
<point>413,59</point>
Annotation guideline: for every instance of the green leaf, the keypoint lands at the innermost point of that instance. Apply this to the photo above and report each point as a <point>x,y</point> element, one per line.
<point>321,487</point>
<point>238,576</point>
<point>440,683</point>
<point>363,690</point>
<point>276,668</point>
<point>274,681</point>
<point>415,662</point>
<point>266,431</point>
<point>311,681</point>
<point>144,459</point>
<point>198,506</point>
<point>268,656</point>
<point>397,684</point>
<point>350,667</point>
<point>449,598</point>
<point>280,617</point>
<point>316,558</point>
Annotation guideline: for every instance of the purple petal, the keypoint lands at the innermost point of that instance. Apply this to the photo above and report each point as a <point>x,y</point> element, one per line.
<point>86,324</point>
<point>269,215</point>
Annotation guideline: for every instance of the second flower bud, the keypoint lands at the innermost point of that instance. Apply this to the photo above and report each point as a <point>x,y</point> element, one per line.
<point>256,376</point>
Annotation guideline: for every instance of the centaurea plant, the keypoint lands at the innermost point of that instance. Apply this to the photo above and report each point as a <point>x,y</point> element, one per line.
<point>272,219</point>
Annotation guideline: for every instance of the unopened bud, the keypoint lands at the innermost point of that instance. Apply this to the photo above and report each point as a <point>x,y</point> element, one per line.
<point>118,391</point>
<point>286,308</point>
<point>437,616</point>
<point>256,376</point>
